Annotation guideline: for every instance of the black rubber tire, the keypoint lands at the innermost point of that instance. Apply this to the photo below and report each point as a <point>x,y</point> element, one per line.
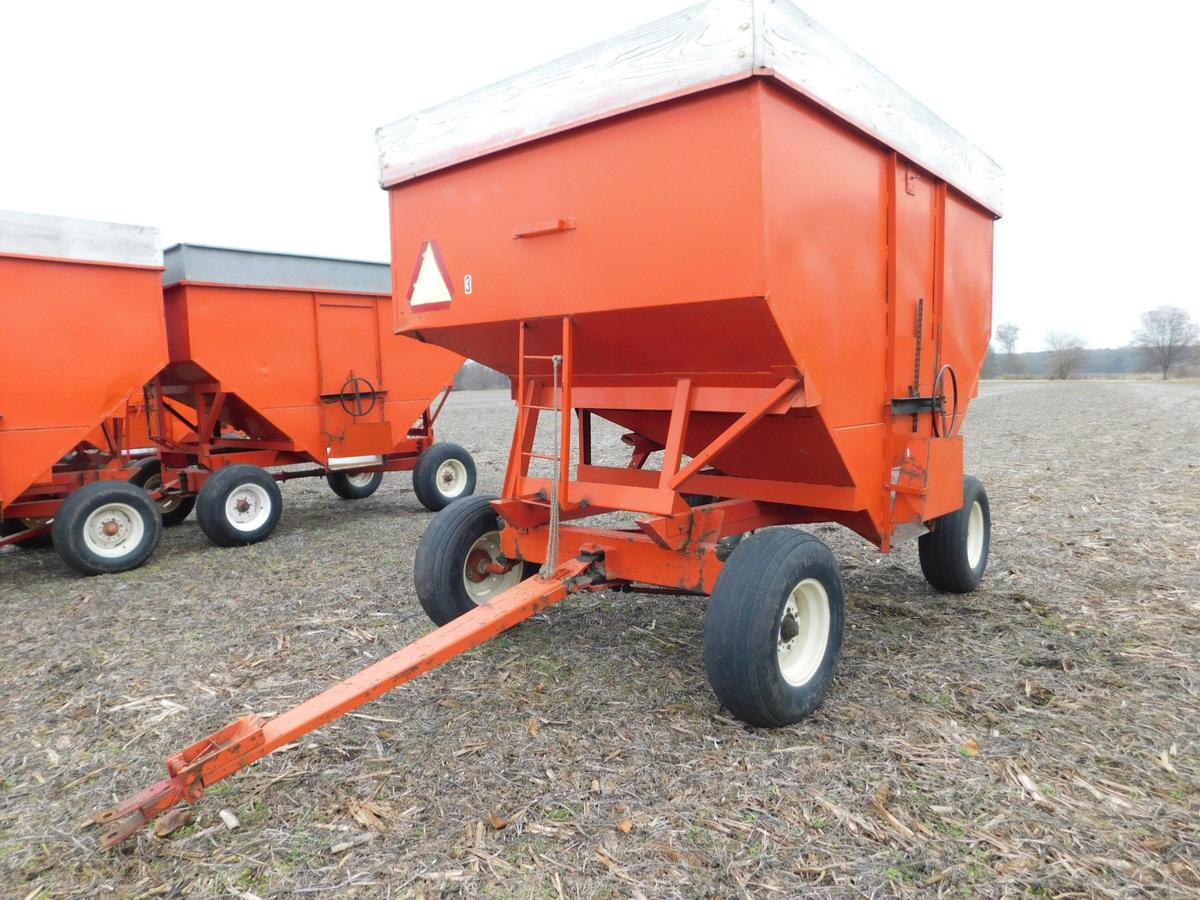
<point>425,476</point>
<point>442,555</point>
<point>15,526</point>
<point>70,520</point>
<point>149,476</point>
<point>742,628</point>
<point>339,483</point>
<point>210,505</point>
<point>943,549</point>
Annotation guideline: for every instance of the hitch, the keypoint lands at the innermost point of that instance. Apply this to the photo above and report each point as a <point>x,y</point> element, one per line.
<point>248,739</point>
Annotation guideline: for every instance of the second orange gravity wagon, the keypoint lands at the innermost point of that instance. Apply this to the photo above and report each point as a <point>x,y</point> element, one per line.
<point>278,360</point>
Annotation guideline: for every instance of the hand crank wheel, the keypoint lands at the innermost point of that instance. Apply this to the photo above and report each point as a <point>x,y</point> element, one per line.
<point>355,394</point>
<point>944,426</point>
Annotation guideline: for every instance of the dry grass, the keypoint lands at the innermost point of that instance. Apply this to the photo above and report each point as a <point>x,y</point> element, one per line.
<point>1040,737</point>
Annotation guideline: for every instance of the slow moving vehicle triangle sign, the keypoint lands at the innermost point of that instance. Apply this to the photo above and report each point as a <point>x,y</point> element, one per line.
<point>430,288</point>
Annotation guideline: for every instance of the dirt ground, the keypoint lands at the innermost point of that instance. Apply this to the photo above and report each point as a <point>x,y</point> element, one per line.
<point>1039,737</point>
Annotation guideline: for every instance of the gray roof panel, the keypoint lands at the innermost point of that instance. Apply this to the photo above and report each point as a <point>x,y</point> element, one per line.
<point>226,265</point>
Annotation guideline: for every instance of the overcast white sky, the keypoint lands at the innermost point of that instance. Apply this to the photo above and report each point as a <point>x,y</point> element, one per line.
<point>252,124</point>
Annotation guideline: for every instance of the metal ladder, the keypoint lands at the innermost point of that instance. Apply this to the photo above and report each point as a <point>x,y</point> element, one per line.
<point>529,390</point>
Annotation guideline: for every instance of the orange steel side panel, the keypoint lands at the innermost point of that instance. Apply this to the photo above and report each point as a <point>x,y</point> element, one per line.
<point>967,314</point>
<point>78,339</point>
<point>676,219</point>
<point>279,350</point>
<point>734,237</point>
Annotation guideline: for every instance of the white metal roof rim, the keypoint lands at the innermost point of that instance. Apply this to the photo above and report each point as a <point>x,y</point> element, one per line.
<point>694,49</point>
<point>58,237</point>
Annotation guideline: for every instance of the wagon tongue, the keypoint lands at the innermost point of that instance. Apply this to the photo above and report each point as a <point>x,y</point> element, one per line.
<point>201,765</point>
<point>248,739</point>
<point>127,817</point>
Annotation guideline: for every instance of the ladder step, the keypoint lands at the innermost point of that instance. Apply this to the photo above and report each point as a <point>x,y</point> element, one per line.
<point>542,408</point>
<point>530,356</point>
<point>532,455</point>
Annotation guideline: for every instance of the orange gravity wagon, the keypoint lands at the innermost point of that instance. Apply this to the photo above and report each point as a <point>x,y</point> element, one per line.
<point>771,267</point>
<point>281,360</point>
<point>81,305</point>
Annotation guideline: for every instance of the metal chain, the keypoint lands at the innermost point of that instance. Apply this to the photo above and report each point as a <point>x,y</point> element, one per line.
<point>551,563</point>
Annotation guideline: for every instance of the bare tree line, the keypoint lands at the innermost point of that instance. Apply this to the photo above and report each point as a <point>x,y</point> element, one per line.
<point>1166,341</point>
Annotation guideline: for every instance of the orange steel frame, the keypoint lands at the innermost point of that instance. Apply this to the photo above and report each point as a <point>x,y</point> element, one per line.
<point>204,447</point>
<point>677,545</point>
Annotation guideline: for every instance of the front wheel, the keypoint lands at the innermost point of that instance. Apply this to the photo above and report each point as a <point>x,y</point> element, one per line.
<point>354,485</point>
<point>451,569</point>
<point>239,505</point>
<point>954,553</point>
<point>106,527</point>
<point>174,507</point>
<point>444,472</point>
<point>774,628</point>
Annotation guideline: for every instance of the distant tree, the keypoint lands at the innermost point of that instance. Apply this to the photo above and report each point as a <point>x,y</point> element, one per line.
<point>1166,338</point>
<point>1006,337</point>
<point>1066,353</point>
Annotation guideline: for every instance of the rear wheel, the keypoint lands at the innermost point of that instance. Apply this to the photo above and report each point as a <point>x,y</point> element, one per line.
<point>174,507</point>
<point>774,628</point>
<point>239,505</point>
<point>354,485</point>
<point>16,526</point>
<point>954,553</point>
<point>450,569</point>
<point>105,527</point>
<point>444,473</point>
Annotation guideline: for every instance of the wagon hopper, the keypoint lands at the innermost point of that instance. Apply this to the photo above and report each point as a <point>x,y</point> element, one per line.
<point>83,331</point>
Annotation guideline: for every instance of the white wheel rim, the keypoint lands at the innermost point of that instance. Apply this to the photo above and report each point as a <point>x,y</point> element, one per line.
<point>481,585</point>
<point>169,502</point>
<point>803,632</point>
<point>451,478</point>
<point>975,531</point>
<point>248,507</point>
<point>113,530</point>
<point>361,480</point>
